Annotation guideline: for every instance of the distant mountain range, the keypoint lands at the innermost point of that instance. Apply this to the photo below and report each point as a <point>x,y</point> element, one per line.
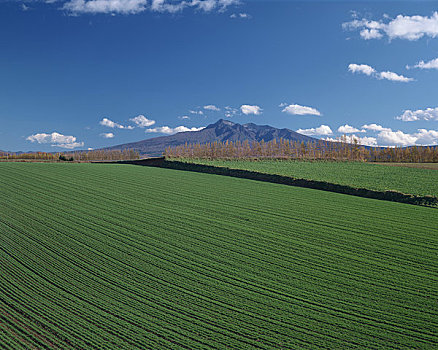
<point>222,130</point>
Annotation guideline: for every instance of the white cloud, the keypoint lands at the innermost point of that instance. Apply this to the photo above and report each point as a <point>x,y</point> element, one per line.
<point>202,5</point>
<point>196,112</point>
<point>230,111</point>
<point>413,27</point>
<point>168,130</point>
<point>321,130</point>
<point>369,29</point>
<point>24,7</point>
<point>368,34</point>
<point>164,6</point>
<point>422,137</point>
<point>393,77</point>
<point>184,117</point>
<point>212,108</point>
<point>299,110</point>
<point>107,135</point>
<point>426,137</point>
<point>240,15</point>
<point>388,137</point>
<point>124,7</point>
<point>141,121</point>
<point>419,114</point>
<point>365,141</point>
<point>370,71</point>
<point>375,127</point>
<point>127,7</point>
<point>250,109</point>
<point>361,68</point>
<point>56,139</point>
<point>396,138</point>
<point>223,4</point>
<point>432,64</point>
<point>348,129</point>
<point>111,124</point>
<point>401,27</point>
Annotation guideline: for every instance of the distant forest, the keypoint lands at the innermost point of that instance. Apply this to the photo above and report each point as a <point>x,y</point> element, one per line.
<point>318,150</point>
<point>80,156</point>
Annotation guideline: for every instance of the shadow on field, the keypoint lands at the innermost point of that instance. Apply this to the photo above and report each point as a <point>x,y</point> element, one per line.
<point>393,196</point>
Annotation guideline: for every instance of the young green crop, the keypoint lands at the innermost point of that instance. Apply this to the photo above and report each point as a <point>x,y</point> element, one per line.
<point>356,174</point>
<point>125,257</point>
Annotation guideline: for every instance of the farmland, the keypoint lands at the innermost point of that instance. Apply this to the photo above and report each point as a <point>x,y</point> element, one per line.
<point>419,180</point>
<point>126,257</point>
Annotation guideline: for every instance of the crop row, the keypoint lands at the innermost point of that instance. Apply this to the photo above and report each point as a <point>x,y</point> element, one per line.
<point>127,256</point>
<point>371,176</point>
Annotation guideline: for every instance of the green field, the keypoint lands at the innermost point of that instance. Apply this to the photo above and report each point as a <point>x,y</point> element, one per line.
<point>377,177</point>
<point>126,257</point>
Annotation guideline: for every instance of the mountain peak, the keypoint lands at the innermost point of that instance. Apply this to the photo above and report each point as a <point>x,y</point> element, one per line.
<point>221,122</point>
<point>222,130</point>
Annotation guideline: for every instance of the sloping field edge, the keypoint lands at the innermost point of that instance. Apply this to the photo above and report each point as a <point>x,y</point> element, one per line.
<point>393,196</point>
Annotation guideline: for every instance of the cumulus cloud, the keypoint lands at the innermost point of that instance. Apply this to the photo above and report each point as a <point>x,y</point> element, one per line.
<point>393,77</point>
<point>107,135</point>
<point>168,130</point>
<point>141,121</point>
<point>127,7</point>
<point>212,108</point>
<point>348,129</point>
<point>368,34</point>
<point>401,27</point>
<point>420,114</point>
<point>364,141</point>
<point>432,64</point>
<point>250,109</point>
<point>426,137</point>
<point>388,137</point>
<point>56,140</point>
<point>370,71</point>
<point>361,68</point>
<point>321,130</point>
<point>299,110</point>
<point>396,138</point>
<point>375,127</point>
<point>124,7</point>
<point>111,124</point>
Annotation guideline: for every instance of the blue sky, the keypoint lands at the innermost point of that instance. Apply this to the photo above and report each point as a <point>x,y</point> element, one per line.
<point>81,74</point>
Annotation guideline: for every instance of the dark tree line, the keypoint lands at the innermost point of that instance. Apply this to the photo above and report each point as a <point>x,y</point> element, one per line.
<point>82,156</point>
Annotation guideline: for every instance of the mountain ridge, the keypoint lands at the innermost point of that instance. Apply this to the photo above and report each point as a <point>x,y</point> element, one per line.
<point>222,130</point>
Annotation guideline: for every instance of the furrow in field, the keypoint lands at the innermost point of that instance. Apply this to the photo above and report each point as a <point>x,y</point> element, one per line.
<point>342,275</point>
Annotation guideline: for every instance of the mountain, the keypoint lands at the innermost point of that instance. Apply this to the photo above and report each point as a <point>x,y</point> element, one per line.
<point>222,130</point>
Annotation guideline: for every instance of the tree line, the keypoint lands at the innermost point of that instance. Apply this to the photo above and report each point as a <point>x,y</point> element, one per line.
<point>80,156</point>
<point>317,150</point>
